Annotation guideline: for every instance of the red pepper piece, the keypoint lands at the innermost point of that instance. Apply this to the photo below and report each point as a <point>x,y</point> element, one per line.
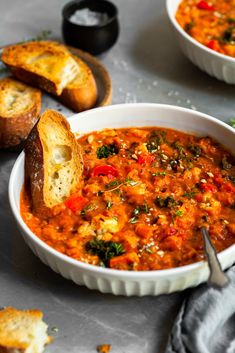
<point>209,187</point>
<point>146,159</point>
<point>227,187</point>
<point>204,5</point>
<point>76,203</point>
<point>212,44</point>
<point>171,231</point>
<point>108,170</point>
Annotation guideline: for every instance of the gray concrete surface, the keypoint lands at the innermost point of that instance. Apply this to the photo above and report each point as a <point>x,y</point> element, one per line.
<point>146,65</point>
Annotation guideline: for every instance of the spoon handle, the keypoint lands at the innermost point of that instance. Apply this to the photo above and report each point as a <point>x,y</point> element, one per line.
<point>217,277</point>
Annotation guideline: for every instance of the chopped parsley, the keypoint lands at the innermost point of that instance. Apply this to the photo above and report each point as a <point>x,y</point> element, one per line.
<point>195,150</point>
<point>133,220</point>
<point>232,122</point>
<point>155,139</point>
<point>228,36</point>
<point>130,182</point>
<point>108,205</point>
<point>159,174</point>
<point>106,150</point>
<point>178,213</point>
<point>225,164</point>
<point>105,250</point>
<point>188,26</point>
<point>190,194</point>
<point>87,209</point>
<point>167,202</point>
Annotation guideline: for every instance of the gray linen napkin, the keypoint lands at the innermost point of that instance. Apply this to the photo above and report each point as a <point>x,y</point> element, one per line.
<point>206,321</point>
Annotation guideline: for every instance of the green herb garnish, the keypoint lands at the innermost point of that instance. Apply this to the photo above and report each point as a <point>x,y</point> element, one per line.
<point>108,205</point>
<point>130,182</point>
<point>195,150</point>
<point>190,194</point>
<point>155,139</point>
<point>188,26</point>
<point>87,209</point>
<point>232,122</point>
<point>178,213</point>
<point>167,202</point>
<point>106,150</point>
<point>159,174</point>
<point>228,36</point>
<point>232,178</point>
<point>225,164</point>
<point>133,220</point>
<point>105,250</point>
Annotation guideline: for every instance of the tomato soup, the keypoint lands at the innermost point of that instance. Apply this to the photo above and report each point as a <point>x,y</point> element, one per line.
<point>212,23</point>
<point>145,194</point>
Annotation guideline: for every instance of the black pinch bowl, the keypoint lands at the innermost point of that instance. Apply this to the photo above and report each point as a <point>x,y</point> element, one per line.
<point>95,39</point>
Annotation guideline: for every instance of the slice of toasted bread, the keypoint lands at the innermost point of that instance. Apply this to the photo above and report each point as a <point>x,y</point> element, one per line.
<point>53,162</point>
<point>20,106</point>
<point>22,331</point>
<point>81,93</point>
<point>45,64</point>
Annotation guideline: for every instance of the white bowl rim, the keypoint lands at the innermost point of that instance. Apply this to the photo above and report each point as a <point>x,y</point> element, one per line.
<point>132,275</point>
<point>173,20</point>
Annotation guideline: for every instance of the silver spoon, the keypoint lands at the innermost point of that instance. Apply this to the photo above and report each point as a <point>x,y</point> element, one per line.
<point>217,277</point>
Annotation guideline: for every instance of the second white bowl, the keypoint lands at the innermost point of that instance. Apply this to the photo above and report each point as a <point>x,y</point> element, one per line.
<point>215,64</point>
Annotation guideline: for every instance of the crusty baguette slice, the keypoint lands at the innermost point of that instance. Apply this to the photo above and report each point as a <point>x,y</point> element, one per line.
<point>81,93</point>
<point>20,106</point>
<point>53,162</point>
<point>22,331</point>
<point>45,64</point>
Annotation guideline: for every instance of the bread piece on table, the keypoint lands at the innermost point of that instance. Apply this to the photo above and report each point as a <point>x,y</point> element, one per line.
<point>22,331</point>
<point>45,64</point>
<point>53,162</point>
<point>81,93</point>
<point>20,106</point>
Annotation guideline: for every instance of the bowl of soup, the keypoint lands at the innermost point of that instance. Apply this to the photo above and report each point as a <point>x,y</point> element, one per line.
<point>205,32</point>
<point>153,176</point>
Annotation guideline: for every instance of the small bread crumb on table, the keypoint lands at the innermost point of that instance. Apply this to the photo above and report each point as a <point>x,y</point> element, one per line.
<point>104,348</point>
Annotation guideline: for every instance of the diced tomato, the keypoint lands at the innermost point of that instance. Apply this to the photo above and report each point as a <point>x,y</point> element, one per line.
<point>204,5</point>
<point>198,197</point>
<point>218,181</point>
<point>172,243</point>
<point>123,262</point>
<point>146,159</point>
<point>228,187</point>
<point>171,231</point>
<point>108,170</point>
<point>208,187</point>
<point>143,230</point>
<point>76,203</point>
<point>212,44</point>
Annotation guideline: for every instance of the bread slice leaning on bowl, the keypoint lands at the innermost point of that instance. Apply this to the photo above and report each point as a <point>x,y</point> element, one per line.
<point>44,64</point>
<point>22,331</point>
<point>53,162</point>
<point>20,106</point>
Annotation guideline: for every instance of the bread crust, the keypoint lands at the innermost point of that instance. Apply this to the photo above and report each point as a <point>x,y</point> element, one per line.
<point>14,129</point>
<point>82,95</point>
<point>36,162</point>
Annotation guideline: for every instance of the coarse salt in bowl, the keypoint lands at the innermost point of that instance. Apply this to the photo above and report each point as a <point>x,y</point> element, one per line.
<point>108,280</point>
<point>215,64</point>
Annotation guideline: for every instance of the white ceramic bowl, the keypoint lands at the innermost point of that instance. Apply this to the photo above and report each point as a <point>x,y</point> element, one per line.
<point>215,64</point>
<point>127,282</point>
